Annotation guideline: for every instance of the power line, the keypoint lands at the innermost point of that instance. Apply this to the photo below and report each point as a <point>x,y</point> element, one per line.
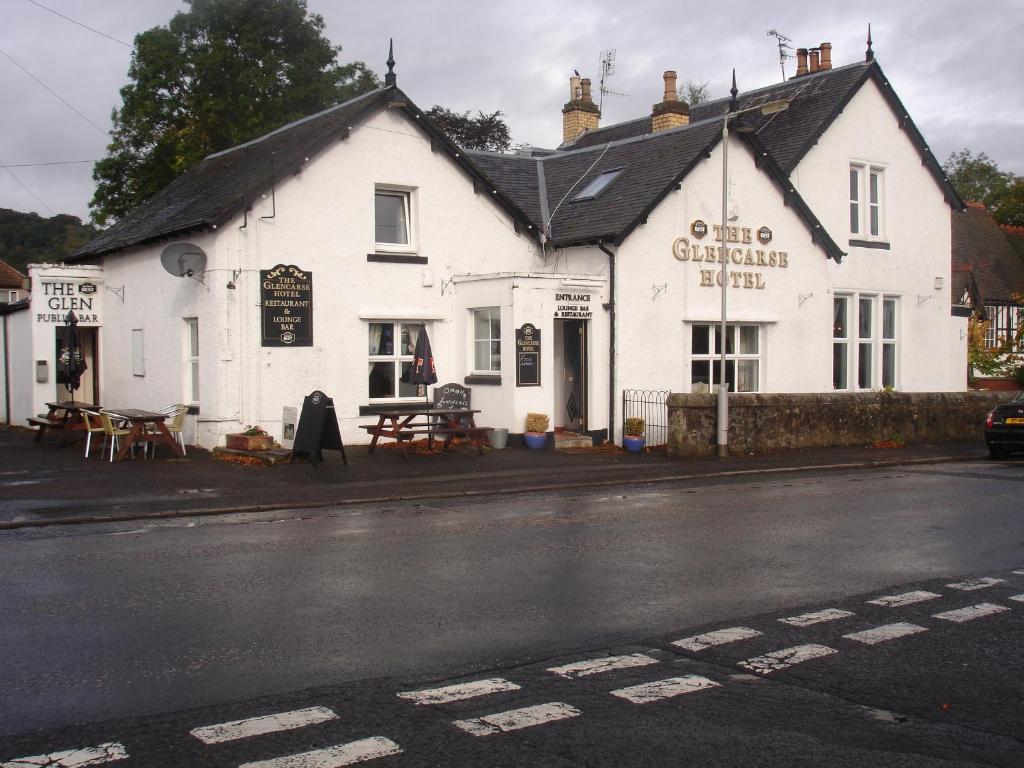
<point>84,26</point>
<point>25,187</point>
<point>55,94</point>
<point>55,162</point>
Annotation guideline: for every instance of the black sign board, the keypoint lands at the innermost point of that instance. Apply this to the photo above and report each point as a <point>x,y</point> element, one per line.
<point>528,356</point>
<point>452,396</point>
<point>286,296</point>
<point>318,429</point>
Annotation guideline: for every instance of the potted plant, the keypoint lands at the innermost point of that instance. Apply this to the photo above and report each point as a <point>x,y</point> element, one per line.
<point>252,438</point>
<point>536,430</point>
<point>633,434</point>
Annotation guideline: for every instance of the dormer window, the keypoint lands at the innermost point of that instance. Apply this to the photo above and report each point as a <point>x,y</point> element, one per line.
<point>598,185</point>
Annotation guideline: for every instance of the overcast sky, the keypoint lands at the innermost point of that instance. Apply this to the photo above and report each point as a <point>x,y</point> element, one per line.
<point>957,66</point>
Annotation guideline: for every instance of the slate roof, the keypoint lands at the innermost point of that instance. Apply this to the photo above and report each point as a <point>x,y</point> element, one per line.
<point>981,247</point>
<point>10,277</point>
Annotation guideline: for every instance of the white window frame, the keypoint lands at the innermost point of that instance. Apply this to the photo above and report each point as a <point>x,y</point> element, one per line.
<point>736,356</point>
<point>493,366</point>
<point>841,341</point>
<point>191,381</point>
<point>138,352</point>
<point>870,346</point>
<point>397,358</point>
<point>406,194</point>
<point>864,201</point>
<point>12,296</point>
<point>1004,320</point>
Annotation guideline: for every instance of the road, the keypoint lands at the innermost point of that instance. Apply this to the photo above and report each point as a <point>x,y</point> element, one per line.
<point>135,634</point>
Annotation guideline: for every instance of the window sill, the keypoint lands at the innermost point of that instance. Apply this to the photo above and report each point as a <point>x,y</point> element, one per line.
<point>484,379</point>
<point>396,258</point>
<point>879,244</point>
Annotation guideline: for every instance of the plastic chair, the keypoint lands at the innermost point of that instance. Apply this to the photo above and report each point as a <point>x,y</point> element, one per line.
<point>112,433</point>
<point>175,426</point>
<point>90,419</point>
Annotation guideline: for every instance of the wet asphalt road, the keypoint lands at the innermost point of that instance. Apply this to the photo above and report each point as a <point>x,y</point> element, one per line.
<point>111,621</point>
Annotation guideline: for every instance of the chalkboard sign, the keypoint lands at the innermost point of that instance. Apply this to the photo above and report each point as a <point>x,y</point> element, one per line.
<point>318,429</point>
<point>451,396</point>
<point>286,299</point>
<point>528,356</point>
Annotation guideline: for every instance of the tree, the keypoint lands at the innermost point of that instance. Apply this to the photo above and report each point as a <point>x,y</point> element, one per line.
<point>27,238</point>
<point>1002,359</point>
<point>484,132</point>
<point>976,177</point>
<point>694,93</point>
<point>218,75</point>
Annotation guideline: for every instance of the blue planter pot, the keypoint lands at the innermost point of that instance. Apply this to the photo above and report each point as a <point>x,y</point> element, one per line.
<point>632,443</point>
<point>535,439</point>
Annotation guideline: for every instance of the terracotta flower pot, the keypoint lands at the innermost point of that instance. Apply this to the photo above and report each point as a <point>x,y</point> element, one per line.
<point>239,442</point>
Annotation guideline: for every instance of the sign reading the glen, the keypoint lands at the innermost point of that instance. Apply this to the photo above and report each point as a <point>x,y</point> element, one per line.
<point>746,253</point>
<point>286,295</point>
<point>528,356</point>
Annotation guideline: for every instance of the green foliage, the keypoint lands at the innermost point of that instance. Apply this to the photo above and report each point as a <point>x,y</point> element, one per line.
<point>218,75</point>
<point>537,422</point>
<point>483,132</point>
<point>634,425</point>
<point>253,430</point>
<point>976,177</point>
<point>694,93</point>
<point>27,238</point>
<point>993,361</point>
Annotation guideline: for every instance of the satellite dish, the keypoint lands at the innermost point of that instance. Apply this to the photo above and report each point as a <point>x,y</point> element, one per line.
<point>183,259</point>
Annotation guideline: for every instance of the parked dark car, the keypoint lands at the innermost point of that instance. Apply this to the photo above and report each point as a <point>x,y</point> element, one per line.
<point>1004,428</point>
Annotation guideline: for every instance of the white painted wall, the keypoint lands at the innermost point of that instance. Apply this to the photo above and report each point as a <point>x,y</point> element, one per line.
<point>21,369</point>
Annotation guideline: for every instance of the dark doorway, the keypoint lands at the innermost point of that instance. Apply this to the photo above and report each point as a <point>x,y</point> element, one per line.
<point>572,403</point>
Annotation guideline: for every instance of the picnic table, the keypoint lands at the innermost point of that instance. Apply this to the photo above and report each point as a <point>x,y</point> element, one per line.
<point>139,420</point>
<point>404,424</point>
<point>64,417</point>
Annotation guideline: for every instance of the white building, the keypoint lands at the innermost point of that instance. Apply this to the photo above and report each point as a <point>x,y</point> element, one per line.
<point>838,244</point>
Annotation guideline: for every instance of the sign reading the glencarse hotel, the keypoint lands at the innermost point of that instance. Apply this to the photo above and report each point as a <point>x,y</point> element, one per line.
<point>286,297</point>
<point>749,250</point>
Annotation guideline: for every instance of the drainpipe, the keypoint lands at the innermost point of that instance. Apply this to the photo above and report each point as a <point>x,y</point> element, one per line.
<point>7,378</point>
<point>611,340</point>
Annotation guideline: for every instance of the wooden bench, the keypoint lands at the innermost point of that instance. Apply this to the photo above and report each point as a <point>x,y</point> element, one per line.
<point>44,424</point>
<point>475,435</point>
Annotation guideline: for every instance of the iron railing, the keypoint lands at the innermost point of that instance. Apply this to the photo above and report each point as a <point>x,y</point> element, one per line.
<point>650,405</point>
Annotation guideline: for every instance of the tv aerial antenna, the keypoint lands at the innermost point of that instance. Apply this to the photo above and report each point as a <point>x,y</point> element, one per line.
<point>607,65</point>
<point>784,43</point>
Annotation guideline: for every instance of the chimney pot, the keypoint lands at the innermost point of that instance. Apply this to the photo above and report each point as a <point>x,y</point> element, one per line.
<point>826,56</point>
<point>670,86</point>
<point>801,62</point>
<point>585,96</point>
<point>815,65</point>
<point>574,88</point>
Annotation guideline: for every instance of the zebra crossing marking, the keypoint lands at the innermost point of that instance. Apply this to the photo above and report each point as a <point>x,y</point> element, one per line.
<point>786,658</point>
<point>108,752</point>
<point>257,726</point>
<point>1018,598</point>
<point>971,612</point>
<point>886,632</point>
<point>602,665</point>
<point>459,692</point>
<point>972,584</point>
<point>907,598</point>
<point>664,689</point>
<point>807,619</point>
<point>516,719</point>
<point>718,637</point>
<point>333,757</point>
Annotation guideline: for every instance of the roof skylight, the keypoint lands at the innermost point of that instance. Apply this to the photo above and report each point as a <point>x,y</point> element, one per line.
<point>598,185</point>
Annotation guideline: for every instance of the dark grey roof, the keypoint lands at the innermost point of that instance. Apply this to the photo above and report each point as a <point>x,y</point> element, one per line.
<point>981,248</point>
<point>516,175</point>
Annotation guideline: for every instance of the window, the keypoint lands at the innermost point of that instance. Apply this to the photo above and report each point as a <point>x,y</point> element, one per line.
<point>1004,324</point>
<point>873,356</point>
<point>867,191</point>
<point>742,362</point>
<point>391,348</point>
<point>192,360</point>
<point>12,296</point>
<point>138,353</point>
<point>392,217</point>
<point>598,185</point>
<point>487,340</point>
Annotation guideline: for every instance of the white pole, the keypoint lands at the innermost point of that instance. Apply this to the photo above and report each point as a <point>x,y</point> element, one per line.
<point>723,254</point>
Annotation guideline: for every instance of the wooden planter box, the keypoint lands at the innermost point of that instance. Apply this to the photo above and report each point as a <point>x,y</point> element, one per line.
<point>250,442</point>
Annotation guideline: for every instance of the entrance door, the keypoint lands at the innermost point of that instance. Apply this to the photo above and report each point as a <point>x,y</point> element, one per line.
<point>88,389</point>
<point>573,405</point>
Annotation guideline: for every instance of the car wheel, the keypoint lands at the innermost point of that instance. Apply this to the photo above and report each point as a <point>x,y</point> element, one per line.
<point>998,453</point>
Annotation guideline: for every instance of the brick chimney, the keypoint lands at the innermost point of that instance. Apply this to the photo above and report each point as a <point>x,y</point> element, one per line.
<point>801,62</point>
<point>814,60</point>
<point>826,56</point>
<point>670,112</point>
<point>580,113</point>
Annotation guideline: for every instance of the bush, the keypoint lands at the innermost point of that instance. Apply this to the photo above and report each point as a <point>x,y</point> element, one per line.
<point>253,430</point>
<point>634,426</point>
<point>537,422</point>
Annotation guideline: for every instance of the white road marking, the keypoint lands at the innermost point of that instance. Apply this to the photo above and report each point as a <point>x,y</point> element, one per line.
<point>971,612</point>
<point>73,758</point>
<point>1018,598</point>
<point>515,719</point>
<point>972,584</point>
<point>786,658</point>
<point>886,632</point>
<point>599,666</point>
<point>806,619</point>
<point>459,692</point>
<point>664,689</point>
<point>1019,573</point>
<point>333,757</point>
<point>907,598</point>
<point>256,726</point>
<point>718,637</point>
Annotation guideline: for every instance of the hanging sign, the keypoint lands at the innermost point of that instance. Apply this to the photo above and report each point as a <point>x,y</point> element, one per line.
<point>286,298</point>
<point>528,356</point>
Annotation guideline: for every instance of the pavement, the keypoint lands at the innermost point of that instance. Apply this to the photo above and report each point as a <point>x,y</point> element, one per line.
<point>45,484</point>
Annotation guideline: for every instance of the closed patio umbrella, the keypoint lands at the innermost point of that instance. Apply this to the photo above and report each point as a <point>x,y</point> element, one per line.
<point>71,359</point>
<point>423,369</point>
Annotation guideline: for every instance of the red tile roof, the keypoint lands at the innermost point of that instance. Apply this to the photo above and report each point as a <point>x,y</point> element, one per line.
<point>10,277</point>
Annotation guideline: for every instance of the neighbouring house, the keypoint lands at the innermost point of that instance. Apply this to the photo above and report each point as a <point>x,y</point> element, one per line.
<point>549,281</point>
<point>13,284</point>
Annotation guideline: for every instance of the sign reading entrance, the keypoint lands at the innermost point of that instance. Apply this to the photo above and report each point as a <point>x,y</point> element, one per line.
<point>573,306</point>
<point>286,295</point>
<point>528,356</point>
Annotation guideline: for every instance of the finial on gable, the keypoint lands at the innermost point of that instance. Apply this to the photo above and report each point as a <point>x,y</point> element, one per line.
<point>734,103</point>
<point>869,55</point>
<point>390,78</point>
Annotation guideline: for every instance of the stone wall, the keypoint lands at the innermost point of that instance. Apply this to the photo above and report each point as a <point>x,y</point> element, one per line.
<point>760,423</point>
